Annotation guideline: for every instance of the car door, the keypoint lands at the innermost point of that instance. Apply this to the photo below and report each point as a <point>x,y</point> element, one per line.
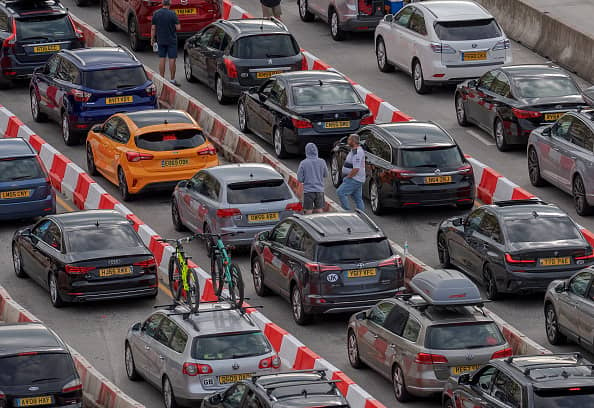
<point>27,248</point>
<point>190,206</point>
<point>476,393</point>
<point>474,238</point>
<point>255,108</point>
<point>46,251</point>
<point>101,147</point>
<point>498,95</point>
<point>200,52</point>
<point>456,238</point>
<point>272,109</point>
<point>174,361</point>
<point>162,360</point>
<point>371,340</point>
<point>234,396</point>
<point>378,160</point>
<point>45,87</point>
<point>142,347</point>
<point>586,310</point>
<point>567,308</point>
<point>552,156</point>
<point>415,42</point>
<point>505,391</point>
<point>117,10</point>
<point>271,254</point>
<point>395,45</point>
<point>400,348</point>
<point>209,201</point>
<point>214,52</point>
<point>113,147</point>
<point>295,257</point>
<point>576,155</point>
<point>475,97</point>
<point>66,76</point>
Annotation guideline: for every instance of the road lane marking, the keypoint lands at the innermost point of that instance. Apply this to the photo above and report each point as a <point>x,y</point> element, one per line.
<point>165,290</point>
<point>480,137</point>
<point>64,204</point>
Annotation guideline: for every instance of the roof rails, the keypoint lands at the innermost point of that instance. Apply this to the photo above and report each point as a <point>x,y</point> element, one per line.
<point>227,23</point>
<point>368,220</point>
<point>279,23</point>
<point>269,388</point>
<point>321,371</point>
<point>311,224</point>
<point>527,201</point>
<point>73,55</point>
<point>127,51</point>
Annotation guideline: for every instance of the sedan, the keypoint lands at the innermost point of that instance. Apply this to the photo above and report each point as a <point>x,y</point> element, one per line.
<point>84,256</point>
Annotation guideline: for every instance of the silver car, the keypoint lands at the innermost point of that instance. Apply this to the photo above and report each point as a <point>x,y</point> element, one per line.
<point>188,357</point>
<point>244,199</point>
<point>418,340</point>
<point>563,155</point>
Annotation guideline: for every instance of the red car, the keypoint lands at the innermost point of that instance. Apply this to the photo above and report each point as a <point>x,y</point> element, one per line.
<point>134,16</point>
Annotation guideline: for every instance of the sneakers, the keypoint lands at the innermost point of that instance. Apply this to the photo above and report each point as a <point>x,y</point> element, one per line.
<point>173,82</point>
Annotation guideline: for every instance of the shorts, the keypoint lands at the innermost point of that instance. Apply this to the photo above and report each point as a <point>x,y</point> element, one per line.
<point>313,201</point>
<point>274,11</point>
<point>167,50</point>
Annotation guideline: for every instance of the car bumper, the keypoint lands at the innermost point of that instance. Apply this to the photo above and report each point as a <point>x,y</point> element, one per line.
<point>162,181</point>
<point>344,303</point>
<point>438,73</point>
<point>521,282</point>
<point>28,209</point>
<point>244,235</point>
<point>89,117</point>
<point>356,22</point>
<point>427,195</point>
<point>83,290</point>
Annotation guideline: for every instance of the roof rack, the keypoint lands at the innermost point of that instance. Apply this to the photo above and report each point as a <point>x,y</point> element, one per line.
<point>321,371</point>
<point>527,370</point>
<point>279,23</point>
<point>73,55</point>
<point>311,224</point>
<point>368,219</point>
<point>527,201</point>
<point>576,354</point>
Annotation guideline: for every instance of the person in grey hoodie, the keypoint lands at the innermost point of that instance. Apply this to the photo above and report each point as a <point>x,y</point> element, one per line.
<point>312,172</point>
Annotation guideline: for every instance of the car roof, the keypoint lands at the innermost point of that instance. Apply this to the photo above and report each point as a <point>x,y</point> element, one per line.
<point>78,219</point>
<point>23,337</point>
<point>34,8</point>
<point>533,70</point>
<point>153,117</point>
<point>339,226</point>
<point>15,147</point>
<point>306,76</point>
<point>525,208</point>
<point>250,26</point>
<point>413,134</point>
<point>241,172</point>
<point>102,57</point>
<point>454,10</point>
<point>225,319</point>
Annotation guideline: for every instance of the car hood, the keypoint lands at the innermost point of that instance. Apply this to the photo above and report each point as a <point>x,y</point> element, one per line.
<point>565,244</point>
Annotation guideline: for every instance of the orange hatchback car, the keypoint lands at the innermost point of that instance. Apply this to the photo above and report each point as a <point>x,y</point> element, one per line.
<point>148,150</point>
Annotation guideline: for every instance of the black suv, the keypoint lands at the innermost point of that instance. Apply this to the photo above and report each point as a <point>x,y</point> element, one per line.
<point>326,263</point>
<point>539,381</point>
<point>409,164</point>
<point>514,246</point>
<point>31,31</point>
<point>231,56</point>
<point>36,368</point>
<point>298,389</point>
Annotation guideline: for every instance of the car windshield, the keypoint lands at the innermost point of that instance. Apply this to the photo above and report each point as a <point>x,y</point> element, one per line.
<point>441,157</point>
<point>171,140</point>
<point>545,87</point>
<point>565,397</point>
<point>25,168</point>
<point>258,192</point>
<point>463,336</point>
<point>103,238</point>
<point>467,30</point>
<point>33,369</point>
<point>44,28</point>
<point>540,229</point>
<point>118,79</point>
<point>265,46</point>
<point>355,251</point>
<point>230,346</point>
<point>324,94</point>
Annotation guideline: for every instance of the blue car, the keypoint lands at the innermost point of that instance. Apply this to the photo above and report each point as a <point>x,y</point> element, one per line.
<point>83,87</point>
<point>25,189</point>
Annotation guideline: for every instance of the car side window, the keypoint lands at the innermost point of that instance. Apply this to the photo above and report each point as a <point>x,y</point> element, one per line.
<point>209,187</point>
<point>411,330</point>
<point>417,23</point>
<point>197,181</point>
<point>484,378</point>
<point>579,284</point>
<point>295,239</point>
<point>3,21</point>
<point>404,16</point>
<point>276,91</point>
<point>53,236</point>
<point>252,401</point>
<point>204,39</point>
<point>396,320</point>
<point>109,128</point>
<point>279,233</point>
<point>151,324</point>
<point>490,227</point>
<point>216,40</point>
<point>165,332</point>
<point>378,147</point>
<point>581,135</point>
<point>234,395</point>
<point>68,72</point>
<point>474,219</point>
<point>501,85</point>
<point>561,128</point>
<point>41,229</point>
<point>506,390</point>
<point>122,133</point>
<point>380,312</point>
<point>179,340</point>
<point>309,246</point>
<point>487,79</point>
<point>267,87</point>
<point>52,65</point>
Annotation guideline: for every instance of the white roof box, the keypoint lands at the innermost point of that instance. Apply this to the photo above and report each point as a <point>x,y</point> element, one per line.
<point>446,287</point>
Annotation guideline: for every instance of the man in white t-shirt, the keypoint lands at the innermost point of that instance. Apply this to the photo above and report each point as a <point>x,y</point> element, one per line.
<point>353,173</point>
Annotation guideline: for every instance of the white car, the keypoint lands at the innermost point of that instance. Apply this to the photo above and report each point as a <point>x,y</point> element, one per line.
<point>441,42</point>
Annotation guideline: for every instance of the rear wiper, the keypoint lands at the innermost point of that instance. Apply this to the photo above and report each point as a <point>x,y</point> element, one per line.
<point>276,56</point>
<point>350,259</point>
<point>427,165</point>
<point>126,86</point>
<point>268,200</point>
<point>45,379</point>
<point>39,37</point>
<point>241,355</point>
<point>476,346</point>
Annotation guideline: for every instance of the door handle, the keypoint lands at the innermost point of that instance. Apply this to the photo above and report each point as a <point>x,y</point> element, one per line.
<point>556,149</point>
<point>393,346</point>
<point>161,358</point>
<point>573,157</point>
<point>375,336</point>
<point>147,348</point>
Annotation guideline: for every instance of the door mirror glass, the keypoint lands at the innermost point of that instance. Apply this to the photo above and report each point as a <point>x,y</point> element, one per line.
<point>184,184</point>
<point>472,83</point>
<point>262,97</point>
<point>97,129</point>
<point>361,316</point>
<point>547,131</point>
<point>458,222</point>
<point>253,89</point>
<point>137,326</point>
<point>561,287</point>
<point>464,379</point>
<point>389,18</point>
<point>26,232</point>
<point>215,399</point>
<point>263,236</point>
<point>589,95</point>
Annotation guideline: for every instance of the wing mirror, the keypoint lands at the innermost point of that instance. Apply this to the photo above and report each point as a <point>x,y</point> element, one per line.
<point>472,83</point>
<point>26,232</point>
<point>547,131</point>
<point>263,236</point>
<point>588,95</point>
<point>388,18</point>
<point>137,326</point>
<point>561,287</point>
<point>215,399</point>
<point>361,316</point>
<point>464,379</point>
<point>253,89</point>
<point>97,129</point>
<point>262,97</point>
<point>458,222</point>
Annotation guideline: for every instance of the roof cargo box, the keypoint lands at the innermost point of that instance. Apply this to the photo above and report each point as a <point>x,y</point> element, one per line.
<point>446,287</point>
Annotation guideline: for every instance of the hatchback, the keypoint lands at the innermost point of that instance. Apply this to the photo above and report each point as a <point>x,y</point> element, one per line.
<point>80,88</point>
<point>290,110</point>
<point>189,356</point>
<point>25,188</point>
<point>84,256</point>
<point>148,150</point>
<point>441,42</point>
<point>36,368</point>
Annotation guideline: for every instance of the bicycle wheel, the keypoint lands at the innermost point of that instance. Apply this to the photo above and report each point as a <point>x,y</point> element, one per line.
<point>192,296</point>
<point>174,278</point>
<point>217,274</point>
<point>236,286</point>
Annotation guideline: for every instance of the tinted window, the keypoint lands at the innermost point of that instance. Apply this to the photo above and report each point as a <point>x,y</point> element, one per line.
<point>25,168</point>
<point>31,369</point>
<point>565,397</point>
<point>417,23</point>
<point>295,238</point>
<point>120,78</point>
<point>380,312</point>
<point>501,85</point>
<point>165,331</point>
<point>579,284</point>
<point>490,227</point>
<point>179,340</point>
<point>467,30</point>
<point>265,46</point>
<point>234,395</point>
<point>258,192</point>
<point>103,238</point>
<point>411,330</point>
<point>68,72</point>
<point>474,220</point>
<point>152,324</point>
<point>507,390</point>
<point>545,87</point>
<point>52,65</point>
<point>355,251</point>
<point>171,140</point>
<point>277,91</point>
<point>216,41</point>
<point>378,147</point>
<point>206,36</point>
<point>148,118</point>
<point>209,187</point>
<point>435,158</point>
<point>324,94</point>
<point>464,335</point>
<point>404,16</point>
<point>561,128</point>
<point>252,401</point>
<point>485,378</point>
<point>41,229</point>
<point>396,320</point>
<point>279,233</point>
<point>581,135</point>
<point>223,347</point>
<point>487,79</point>
<point>540,229</point>
<point>44,28</point>
<point>53,236</point>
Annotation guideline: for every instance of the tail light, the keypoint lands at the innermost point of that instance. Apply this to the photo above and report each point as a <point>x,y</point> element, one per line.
<point>270,362</point>
<point>303,63</point>
<point>367,119</point>
<point>228,212</point>
<point>193,369</point>
<point>426,358</point>
<point>208,150</point>
<point>301,123</point>
<point>28,353</point>
<point>77,31</point>
<point>588,255</point>
<point>231,68</point>
<point>465,169</point>
<point>512,261</point>
<point>151,90</point>
<point>440,48</point>
<point>146,263</point>
<point>317,268</point>
<point>10,41</point>
<point>77,270</point>
<point>395,260</point>
<point>502,45</point>
<point>296,207</point>
<point>80,96</point>
<point>506,352</point>
<point>136,156</point>
<point>402,174</point>
<point>525,114</point>
<point>74,385</point>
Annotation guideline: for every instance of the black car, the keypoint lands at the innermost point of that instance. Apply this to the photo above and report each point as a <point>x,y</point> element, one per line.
<point>409,164</point>
<point>36,368</point>
<point>509,102</point>
<point>85,255</point>
<point>514,246</point>
<point>31,31</point>
<point>290,110</point>
<point>292,389</point>
<point>536,381</point>
<point>326,263</point>
<point>231,56</point>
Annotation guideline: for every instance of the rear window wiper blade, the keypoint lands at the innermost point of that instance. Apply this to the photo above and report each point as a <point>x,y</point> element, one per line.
<point>276,56</point>
<point>269,200</point>
<point>427,165</point>
<point>126,86</point>
<point>40,37</point>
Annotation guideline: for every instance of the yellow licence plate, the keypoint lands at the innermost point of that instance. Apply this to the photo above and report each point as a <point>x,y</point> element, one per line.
<point>185,11</point>
<point>32,401</point>
<point>438,179</point>
<point>361,273</point>
<point>338,124</point>
<point>553,116</point>
<point>464,369</point>
<point>266,74</point>
<point>226,379</point>
<point>555,261</point>
<point>263,217</point>
<point>114,100</point>
<point>6,195</point>
<point>46,48</point>
<point>123,270</point>
<point>174,162</point>
<point>475,56</point>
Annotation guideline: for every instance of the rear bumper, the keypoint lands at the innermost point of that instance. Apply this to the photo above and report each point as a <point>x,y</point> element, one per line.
<point>83,290</point>
<point>344,303</point>
<point>456,73</point>
<point>141,180</point>
<point>418,196</point>
<point>522,282</point>
<point>89,117</point>
<point>360,23</point>
<point>245,235</point>
<point>28,209</point>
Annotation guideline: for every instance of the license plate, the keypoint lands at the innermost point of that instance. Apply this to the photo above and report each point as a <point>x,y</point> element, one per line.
<point>119,271</point>
<point>263,217</point>
<point>174,162</point>
<point>46,48</point>
<point>226,379</point>
<point>464,369</point>
<point>338,124</point>
<point>553,116</point>
<point>475,56</point>
<point>555,261</point>
<point>438,179</point>
<point>266,74</point>
<point>6,195</point>
<point>361,273</point>
<point>114,100</point>
<point>32,401</point>
<point>185,11</point>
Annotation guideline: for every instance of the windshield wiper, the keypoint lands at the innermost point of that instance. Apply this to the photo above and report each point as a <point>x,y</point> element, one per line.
<point>45,379</point>
<point>19,178</point>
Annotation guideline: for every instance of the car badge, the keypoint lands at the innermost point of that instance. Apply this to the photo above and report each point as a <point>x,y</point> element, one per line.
<point>437,171</point>
<point>474,45</point>
<point>336,116</point>
<point>556,253</point>
<point>33,388</point>
<point>469,356</point>
<point>184,2</point>
<point>558,106</point>
<point>270,62</point>
<point>359,265</point>
<point>235,366</point>
<point>175,152</point>
<point>113,261</point>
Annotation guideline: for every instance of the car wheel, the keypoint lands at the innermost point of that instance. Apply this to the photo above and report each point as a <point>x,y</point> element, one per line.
<point>374,198</point>
<point>299,314</point>
<point>448,403</point>
<point>443,251</point>
<point>353,350</point>
<point>123,185</point>
<point>70,137</point>
<point>130,366</point>
<point>188,69</point>
<point>335,30</point>
<point>243,119</point>
<point>304,14</point>
<point>460,110</point>
<point>534,169</point>
<point>552,326</point>
<point>499,133</point>
<point>491,284</point>
<point>335,171</point>
<point>168,396</point>
<point>136,43</point>
<point>54,291</point>
<point>279,144</point>
<point>17,262</point>
<point>579,197</point>
<point>220,90</point>
<point>105,20</point>
<point>178,225</point>
<point>91,167</point>
<point>400,391</point>
<point>382,56</point>
<point>38,116</point>
<point>258,277</point>
<point>421,86</point>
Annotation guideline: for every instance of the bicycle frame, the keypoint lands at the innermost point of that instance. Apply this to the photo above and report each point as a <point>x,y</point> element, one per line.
<point>225,258</point>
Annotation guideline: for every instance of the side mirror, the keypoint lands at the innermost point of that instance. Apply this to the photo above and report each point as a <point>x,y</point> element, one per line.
<point>137,326</point>
<point>26,232</point>
<point>458,222</point>
<point>464,379</point>
<point>215,399</point>
<point>97,129</point>
<point>263,236</point>
<point>473,83</point>
<point>561,287</point>
<point>253,89</point>
<point>388,18</point>
<point>361,316</point>
<point>184,183</point>
<point>262,97</point>
<point>547,131</point>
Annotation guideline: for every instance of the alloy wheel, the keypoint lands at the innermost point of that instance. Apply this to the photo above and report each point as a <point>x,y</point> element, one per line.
<point>460,111</point>
<point>335,171</point>
<point>334,24</point>
<point>443,251</point>
<point>296,304</point>
<point>257,276</point>
<point>242,117</point>
<point>374,197</point>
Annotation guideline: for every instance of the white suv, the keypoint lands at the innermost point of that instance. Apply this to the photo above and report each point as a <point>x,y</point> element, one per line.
<point>441,42</point>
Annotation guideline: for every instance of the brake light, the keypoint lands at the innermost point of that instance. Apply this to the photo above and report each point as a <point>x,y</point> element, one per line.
<point>525,114</point>
<point>301,123</point>
<point>294,207</point>
<point>78,32</point>
<point>303,63</point>
<point>208,150</point>
<point>440,48</point>
<point>74,385</point>
<point>510,260</point>
<point>77,270</point>
<point>80,96</point>
<point>502,45</point>
<point>465,169</point>
<point>367,119</point>
<point>426,358</point>
<point>136,156</point>
<point>270,362</point>
<point>575,389</point>
<point>231,68</point>
<point>402,174</point>
<point>193,369</point>
<point>589,256</point>
<point>506,352</point>
<point>151,90</point>
<point>146,263</point>
<point>228,212</point>
<point>395,260</point>
<point>10,41</point>
<point>317,268</point>
<point>28,353</point>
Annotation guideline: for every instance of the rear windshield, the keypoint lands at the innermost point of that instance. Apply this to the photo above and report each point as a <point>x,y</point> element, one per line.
<point>325,94</point>
<point>119,78</point>
<point>224,347</point>
<point>35,369</point>
<point>265,46</point>
<point>258,192</point>
<point>44,28</point>
<point>540,229</point>
<point>355,251</point>
<point>25,168</point>
<point>442,157</point>
<point>463,336</point>
<point>102,238</point>
<point>565,397</point>
<point>164,141</point>
<point>545,87</point>
<point>467,30</point>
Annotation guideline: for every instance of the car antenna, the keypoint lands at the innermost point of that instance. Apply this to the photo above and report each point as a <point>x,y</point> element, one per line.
<point>262,25</point>
<point>97,223</point>
<point>165,122</point>
<point>534,214</point>
<point>425,138</point>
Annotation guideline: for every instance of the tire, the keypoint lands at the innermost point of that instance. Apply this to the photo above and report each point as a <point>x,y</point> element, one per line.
<point>460,110</point>
<point>136,43</point>
<point>174,278</point>
<point>579,197</point>
<point>258,278</point>
<point>419,83</point>
<point>534,169</point>
<point>130,365</point>
<point>70,138</point>
<point>17,263</point>
<point>499,134</point>
<point>448,403</point>
<point>105,20</point>
<point>374,198</point>
<point>217,275</point>
<point>299,315</point>
<point>54,292</point>
<point>443,251</point>
<point>168,396</point>
<point>188,69</point>
<point>178,225</point>
<point>279,144</point>
<point>353,350</point>
<point>399,385</point>
<point>91,167</point>
<point>192,298</point>
<point>491,285</point>
<point>304,13</point>
<point>335,30</point>
<point>220,91</point>
<point>236,293</point>
<point>38,116</point>
<point>242,117</point>
<point>123,186</point>
<point>382,56</point>
<point>554,336</point>
<point>335,171</point>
